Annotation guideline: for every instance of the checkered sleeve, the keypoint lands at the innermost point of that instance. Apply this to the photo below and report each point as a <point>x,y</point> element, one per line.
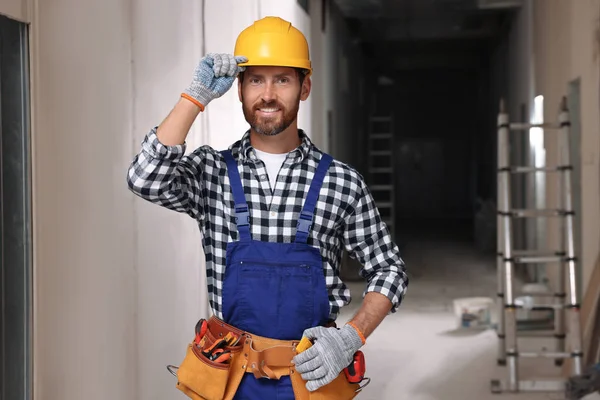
<point>368,239</point>
<point>165,176</point>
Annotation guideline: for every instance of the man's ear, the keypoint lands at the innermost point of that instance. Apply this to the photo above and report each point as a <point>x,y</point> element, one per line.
<point>306,87</point>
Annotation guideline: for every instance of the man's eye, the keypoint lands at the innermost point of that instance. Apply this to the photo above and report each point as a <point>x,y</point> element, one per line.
<point>283,80</point>
<point>254,81</point>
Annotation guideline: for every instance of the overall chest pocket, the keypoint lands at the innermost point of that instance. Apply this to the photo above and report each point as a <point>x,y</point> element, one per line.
<point>275,299</point>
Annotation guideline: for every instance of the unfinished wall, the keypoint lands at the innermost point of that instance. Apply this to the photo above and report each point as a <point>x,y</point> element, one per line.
<point>564,50</point>
<point>518,92</point>
<point>119,282</point>
<point>345,108</point>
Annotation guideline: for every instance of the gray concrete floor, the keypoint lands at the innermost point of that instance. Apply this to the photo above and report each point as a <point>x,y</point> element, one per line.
<point>419,353</point>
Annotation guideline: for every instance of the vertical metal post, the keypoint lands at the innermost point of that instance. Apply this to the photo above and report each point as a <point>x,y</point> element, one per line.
<point>573,304</point>
<point>560,302</point>
<point>560,286</point>
<point>500,331</point>
<point>510,320</point>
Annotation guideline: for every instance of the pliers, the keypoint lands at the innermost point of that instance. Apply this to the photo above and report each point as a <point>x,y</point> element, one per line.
<point>220,356</point>
<point>200,330</point>
<point>217,352</point>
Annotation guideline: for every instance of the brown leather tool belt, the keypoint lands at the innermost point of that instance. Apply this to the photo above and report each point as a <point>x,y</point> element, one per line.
<point>264,357</point>
<point>203,379</point>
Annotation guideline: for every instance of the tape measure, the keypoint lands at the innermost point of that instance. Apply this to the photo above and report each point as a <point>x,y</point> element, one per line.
<point>355,372</point>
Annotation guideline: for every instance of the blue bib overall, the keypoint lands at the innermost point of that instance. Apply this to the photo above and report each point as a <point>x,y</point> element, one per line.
<point>274,290</point>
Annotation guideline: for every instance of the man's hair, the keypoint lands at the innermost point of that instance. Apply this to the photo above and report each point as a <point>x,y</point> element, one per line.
<point>301,75</point>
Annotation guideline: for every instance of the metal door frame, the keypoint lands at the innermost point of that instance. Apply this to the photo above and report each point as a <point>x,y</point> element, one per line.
<point>16,266</point>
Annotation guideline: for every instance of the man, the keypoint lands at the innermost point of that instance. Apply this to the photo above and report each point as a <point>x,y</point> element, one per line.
<point>275,213</point>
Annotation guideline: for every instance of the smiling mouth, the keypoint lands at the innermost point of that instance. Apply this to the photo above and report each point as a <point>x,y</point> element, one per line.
<point>268,110</point>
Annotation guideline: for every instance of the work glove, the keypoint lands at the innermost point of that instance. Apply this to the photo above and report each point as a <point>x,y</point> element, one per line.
<point>332,351</point>
<point>214,76</point>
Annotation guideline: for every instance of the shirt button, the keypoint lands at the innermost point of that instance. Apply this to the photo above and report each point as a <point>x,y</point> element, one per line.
<point>273,213</point>
<point>263,177</point>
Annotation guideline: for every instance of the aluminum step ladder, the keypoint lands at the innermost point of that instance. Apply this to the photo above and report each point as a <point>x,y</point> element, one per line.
<point>381,166</point>
<point>566,305</point>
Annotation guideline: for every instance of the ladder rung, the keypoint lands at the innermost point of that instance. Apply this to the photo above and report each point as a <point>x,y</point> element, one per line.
<point>380,135</point>
<point>381,119</point>
<point>534,252</point>
<point>381,153</point>
<point>384,204</point>
<point>534,385</point>
<point>544,354</point>
<point>538,294</point>
<point>525,126</point>
<point>525,170</point>
<point>539,259</point>
<point>535,256</point>
<point>544,307</point>
<point>534,334</point>
<point>381,170</point>
<point>533,213</point>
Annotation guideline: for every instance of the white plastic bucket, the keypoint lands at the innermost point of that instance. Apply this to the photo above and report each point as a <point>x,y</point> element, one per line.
<point>473,312</point>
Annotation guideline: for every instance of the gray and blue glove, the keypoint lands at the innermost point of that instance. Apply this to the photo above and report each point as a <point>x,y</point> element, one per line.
<point>333,350</point>
<point>214,76</point>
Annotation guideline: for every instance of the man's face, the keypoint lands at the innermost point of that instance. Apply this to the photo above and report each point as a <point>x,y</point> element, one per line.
<point>271,97</point>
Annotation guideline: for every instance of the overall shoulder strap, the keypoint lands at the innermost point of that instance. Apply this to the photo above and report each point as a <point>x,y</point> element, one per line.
<point>307,214</point>
<point>242,213</point>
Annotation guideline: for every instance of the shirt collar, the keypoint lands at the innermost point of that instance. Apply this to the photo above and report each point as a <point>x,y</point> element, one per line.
<point>246,152</point>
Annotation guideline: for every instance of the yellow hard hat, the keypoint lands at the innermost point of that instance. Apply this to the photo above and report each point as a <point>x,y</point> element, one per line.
<point>272,41</point>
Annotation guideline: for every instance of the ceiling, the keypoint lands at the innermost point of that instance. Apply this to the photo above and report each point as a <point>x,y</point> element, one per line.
<point>379,21</point>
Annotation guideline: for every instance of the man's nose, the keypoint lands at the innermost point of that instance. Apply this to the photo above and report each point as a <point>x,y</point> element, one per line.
<point>268,93</point>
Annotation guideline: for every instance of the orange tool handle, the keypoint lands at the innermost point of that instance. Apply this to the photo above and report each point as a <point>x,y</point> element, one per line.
<point>221,356</point>
<point>200,330</point>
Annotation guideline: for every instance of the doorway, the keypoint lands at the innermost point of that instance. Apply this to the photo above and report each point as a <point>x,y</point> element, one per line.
<point>15,215</point>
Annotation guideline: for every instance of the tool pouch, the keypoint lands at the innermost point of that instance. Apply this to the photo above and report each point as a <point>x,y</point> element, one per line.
<point>338,389</point>
<point>202,379</point>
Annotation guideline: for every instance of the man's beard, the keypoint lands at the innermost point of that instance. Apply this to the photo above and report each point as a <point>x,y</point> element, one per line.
<point>274,125</point>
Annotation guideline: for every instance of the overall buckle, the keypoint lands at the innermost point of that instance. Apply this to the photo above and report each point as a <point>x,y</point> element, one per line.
<point>304,222</point>
<point>242,215</point>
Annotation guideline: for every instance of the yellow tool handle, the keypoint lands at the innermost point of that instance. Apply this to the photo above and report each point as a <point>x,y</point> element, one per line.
<point>304,344</point>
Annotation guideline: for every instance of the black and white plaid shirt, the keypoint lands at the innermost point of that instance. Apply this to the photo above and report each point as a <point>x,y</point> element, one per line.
<point>345,216</point>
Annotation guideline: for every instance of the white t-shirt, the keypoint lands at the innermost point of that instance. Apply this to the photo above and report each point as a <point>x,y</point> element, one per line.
<point>273,164</point>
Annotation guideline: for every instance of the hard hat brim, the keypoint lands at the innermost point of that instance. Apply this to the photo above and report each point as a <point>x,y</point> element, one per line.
<point>278,62</point>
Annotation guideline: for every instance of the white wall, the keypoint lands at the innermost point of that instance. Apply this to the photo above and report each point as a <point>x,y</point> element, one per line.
<point>15,9</point>
<point>584,63</point>
<point>85,274</point>
<point>564,49</point>
<point>171,295</point>
<point>119,283</point>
